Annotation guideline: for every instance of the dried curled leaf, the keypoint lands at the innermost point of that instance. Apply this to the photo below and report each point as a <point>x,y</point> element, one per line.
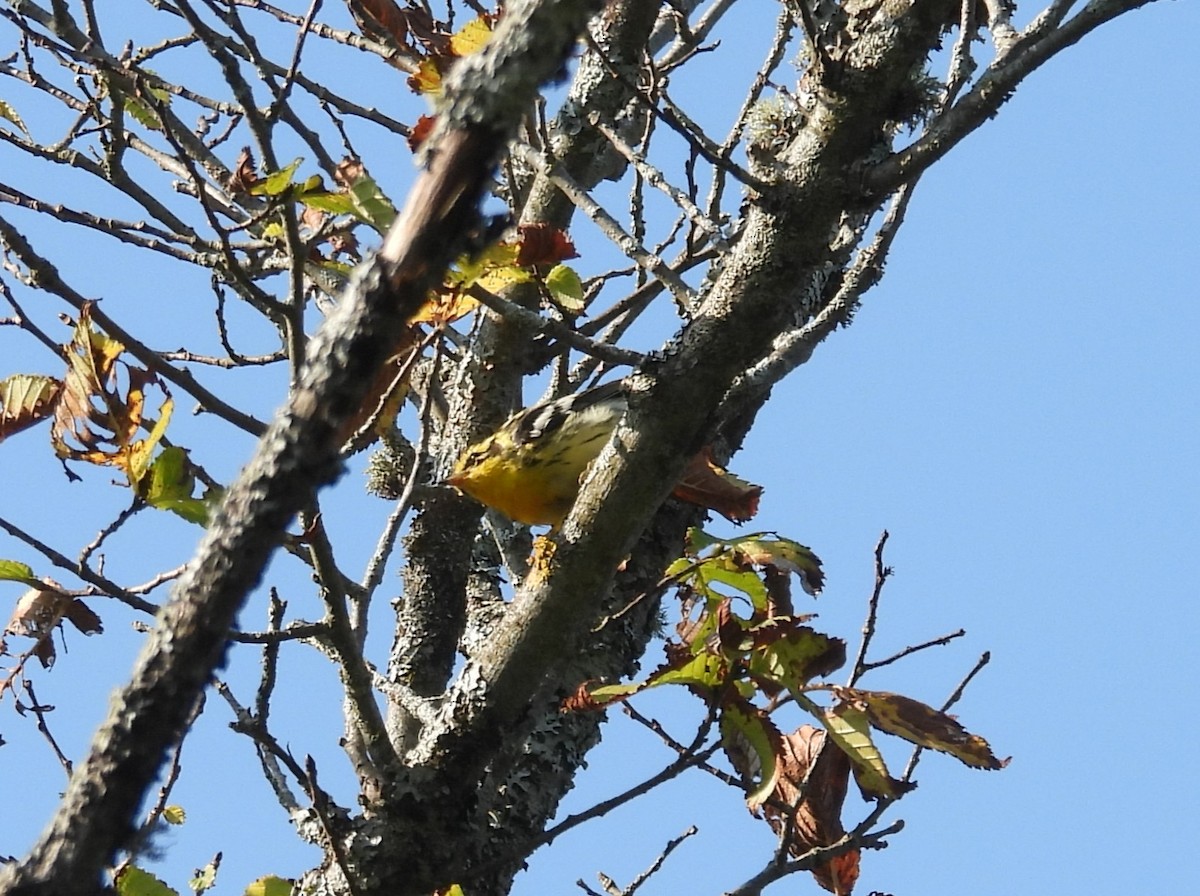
<point>41,609</point>
<point>543,244</point>
<point>813,778</point>
<point>420,131</point>
<point>245,172</point>
<point>708,485</point>
<point>96,419</point>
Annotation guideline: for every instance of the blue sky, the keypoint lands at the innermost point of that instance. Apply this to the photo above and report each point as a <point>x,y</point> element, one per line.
<point>1016,404</point>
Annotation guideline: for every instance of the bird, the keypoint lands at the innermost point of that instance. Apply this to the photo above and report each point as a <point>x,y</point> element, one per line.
<point>530,468</point>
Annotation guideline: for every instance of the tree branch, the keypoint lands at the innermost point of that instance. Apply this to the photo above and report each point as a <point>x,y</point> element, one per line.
<point>297,453</point>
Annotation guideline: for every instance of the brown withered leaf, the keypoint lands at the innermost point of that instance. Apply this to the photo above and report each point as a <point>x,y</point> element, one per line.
<point>83,618</point>
<point>708,485</point>
<point>26,399</point>
<point>382,401</point>
<point>344,242</point>
<point>543,244</point>
<point>407,26</point>
<point>813,819</point>
<point>312,218</point>
<point>348,171</point>
<point>582,699</point>
<point>921,724</point>
<point>420,131</point>
<point>40,610</point>
<point>95,420</point>
<point>729,635</point>
<point>779,592</point>
<point>244,172</point>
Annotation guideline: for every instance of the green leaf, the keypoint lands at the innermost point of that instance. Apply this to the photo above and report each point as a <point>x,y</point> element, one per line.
<point>16,571</point>
<point>761,549</point>
<point>698,540</point>
<point>769,549</point>
<point>565,288</point>
<point>707,671</point>
<point>9,113</point>
<point>194,510</point>
<point>747,732</point>
<point>174,814</point>
<point>851,731</point>
<point>142,113</point>
<point>206,877</point>
<point>270,885</point>
<point>371,205</point>
<point>333,203</point>
<point>610,692</point>
<point>790,655</point>
<point>136,882</point>
<point>680,566</point>
<point>276,182</point>
<point>170,477</point>
<point>747,582</point>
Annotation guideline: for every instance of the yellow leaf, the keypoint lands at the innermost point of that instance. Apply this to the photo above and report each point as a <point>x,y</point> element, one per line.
<point>444,309</point>
<point>471,38</point>
<point>7,111</point>
<point>140,451</point>
<point>566,288</point>
<point>270,885</point>
<point>277,181</point>
<point>427,78</point>
<point>499,279</point>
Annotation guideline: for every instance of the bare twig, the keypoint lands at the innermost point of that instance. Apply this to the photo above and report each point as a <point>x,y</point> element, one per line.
<point>39,711</point>
<point>671,846</point>
<point>83,571</point>
<point>940,641</point>
<point>954,697</point>
<point>270,753</point>
<point>882,573</point>
<point>325,809</point>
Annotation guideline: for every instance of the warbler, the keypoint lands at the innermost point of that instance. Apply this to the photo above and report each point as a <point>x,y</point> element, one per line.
<point>530,468</point>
